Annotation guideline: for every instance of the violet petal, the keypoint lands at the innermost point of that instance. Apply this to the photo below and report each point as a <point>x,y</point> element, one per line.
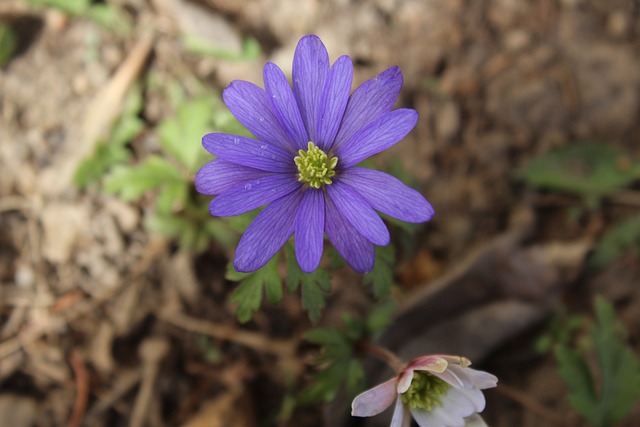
<point>333,102</point>
<point>388,194</point>
<point>350,244</point>
<point>249,152</point>
<point>377,136</point>
<point>219,176</point>
<point>310,69</point>
<point>284,105</point>
<point>250,105</point>
<point>359,213</point>
<point>267,233</point>
<point>309,235</point>
<point>368,102</point>
<point>253,194</point>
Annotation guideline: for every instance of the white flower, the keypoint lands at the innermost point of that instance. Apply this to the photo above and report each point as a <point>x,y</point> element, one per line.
<point>437,390</point>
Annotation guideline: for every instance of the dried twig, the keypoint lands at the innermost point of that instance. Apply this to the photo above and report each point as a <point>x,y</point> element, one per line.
<point>151,351</point>
<point>123,384</point>
<point>256,341</point>
<point>14,203</point>
<point>102,111</point>
<point>33,332</point>
<point>82,389</point>
<point>531,404</point>
<point>625,197</point>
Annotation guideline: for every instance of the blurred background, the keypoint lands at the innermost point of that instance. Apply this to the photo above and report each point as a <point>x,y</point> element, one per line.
<point>115,300</point>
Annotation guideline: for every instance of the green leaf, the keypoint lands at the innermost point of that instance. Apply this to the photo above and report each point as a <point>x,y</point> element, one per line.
<point>71,7</point>
<point>132,182</point>
<point>619,372</point>
<point>104,158</point>
<point>623,237</point>
<point>587,169</point>
<point>220,232</point>
<point>197,44</point>
<point>111,18</point>
<point>313,299</point>
<point>239,223</point>
<point>248,295</point>
<point>335,260</point>
<point>380,317</point>
<point>325,383</point>
<point>323,336</point>
<point>272,281</point>
<point>619,366</point>
<point>335,343</point>
<point>314,285</point>
<point>7,43</point>
<point>381,277</point>
<point>575,372</point>
<point>234,275</point>
<point>180,136</point>
<point>225,122</point>
<point>354,382</point>
<point>113,151</point>
<point>172,197</point>
<point>353,327</point>
<point>559,330</point>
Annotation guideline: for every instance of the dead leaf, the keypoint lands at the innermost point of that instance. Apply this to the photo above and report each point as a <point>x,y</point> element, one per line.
<point>229,408</point>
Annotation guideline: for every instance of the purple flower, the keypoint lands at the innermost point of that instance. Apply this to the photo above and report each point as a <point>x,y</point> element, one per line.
<point>437,390</point>
<point>303,161</point>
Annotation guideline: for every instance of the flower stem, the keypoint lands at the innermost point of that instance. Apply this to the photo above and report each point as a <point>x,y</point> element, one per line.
<point>383,354</point>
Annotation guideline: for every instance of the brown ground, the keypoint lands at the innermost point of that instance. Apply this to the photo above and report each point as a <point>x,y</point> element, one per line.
<point>98,315</point>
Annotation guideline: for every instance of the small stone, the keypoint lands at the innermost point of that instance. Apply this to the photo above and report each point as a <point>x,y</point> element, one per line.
<point>448,121</point>
<point>62,225</point>
<point>25,276</point>
<point>618,24</point>
<point>17,411</point>
<point>125,215</point>
<point>516,40</point>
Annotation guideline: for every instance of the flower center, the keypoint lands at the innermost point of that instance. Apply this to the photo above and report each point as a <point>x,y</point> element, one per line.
<point>315,167</point>
<point>425,392</point>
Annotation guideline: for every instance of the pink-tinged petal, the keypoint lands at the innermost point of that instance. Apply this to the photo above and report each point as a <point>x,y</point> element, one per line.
<point>250,105</point>
<point>438,417</point>
<point>253,194</point>
<point>388,194</point>
<point>333,102</point>
<point>358,212</point>
<point>267,233</point>
<point>375,400</point>
<point>368,102</point>
<point>481,379</point>
<point>450,377</point>
<point>310,69</point>
<point>350,244</point>
<point>249,152</point>
<point>475,396</point>
<point>455,360</point>
<point>450,416</point>
<point>284,105</point>
<point>404,381</point>
<point>377,136</point>
<point>457,400</point>
<point>219,176</point>
<point>309,237</point>
<point>429,363</point>
<point>425,419</point>
<point>475,420</point>
<point>401,416</point>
